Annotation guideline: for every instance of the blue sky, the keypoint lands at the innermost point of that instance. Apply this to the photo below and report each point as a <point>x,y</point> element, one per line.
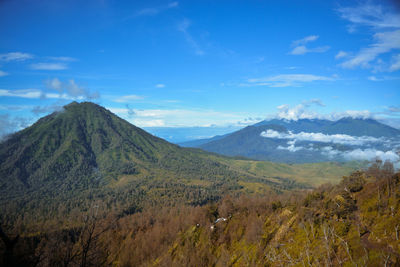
<point>215,64</point>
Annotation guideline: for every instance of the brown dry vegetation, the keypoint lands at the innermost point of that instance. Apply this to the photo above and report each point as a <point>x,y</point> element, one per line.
<point>355,223</point>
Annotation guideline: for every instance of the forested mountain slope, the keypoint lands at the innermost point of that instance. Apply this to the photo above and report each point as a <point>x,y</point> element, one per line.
<point>70,159</point>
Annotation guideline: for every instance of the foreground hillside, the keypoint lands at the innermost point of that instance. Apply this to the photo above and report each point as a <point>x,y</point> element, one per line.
<point>65,162</point>
<point>355,223</point>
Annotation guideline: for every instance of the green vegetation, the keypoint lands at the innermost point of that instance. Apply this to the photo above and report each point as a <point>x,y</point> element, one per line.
<point>353,223</point>
<point>312,174</point>
<point>85,154</point>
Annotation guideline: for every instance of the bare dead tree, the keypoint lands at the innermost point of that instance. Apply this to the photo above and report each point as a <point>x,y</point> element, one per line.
<point>325,229</point>
<point>8,255</point>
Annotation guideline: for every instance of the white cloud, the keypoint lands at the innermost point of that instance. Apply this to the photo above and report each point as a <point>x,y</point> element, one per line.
<point>49,66</point>
<point>128,98</point>
<point>291,147</point>
<point>183,27</point>
<point>383,78</point>
<point>36,94</point>
<point>150,123</point>
<point>373,78</point>
<point>152,11</point>
<point>370,154</point>
<point>9,124</point>
<point>47,109</point>
<point>384,43</point>
<point>66,59</point>
<point>285,80</point>
<point>395,65</point>
<point>315,101</point>
<point>305,40</point>
<point>54,84</point>
<point>385,25</point>
<point>295,113</point>
<point>361,154</point>
<point>15,56</point>
<point>394,109</point>
<point>76,91</point>
<point>341,54</point>
<point>302,111</point>
<point>69,90</point>
<point>355,114</point>
<point>29,93</point>
<point>343,139</point>
<point>329,151</point>
<point>374,16</point>
<point>3,73</point>
<point>160,85</point>
<point>301,49</point>
<point>182,117</point>
<point>355,154</point>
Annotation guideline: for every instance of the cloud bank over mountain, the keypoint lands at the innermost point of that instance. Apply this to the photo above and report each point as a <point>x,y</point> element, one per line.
<point>338,146</point>
<point>320,137</point>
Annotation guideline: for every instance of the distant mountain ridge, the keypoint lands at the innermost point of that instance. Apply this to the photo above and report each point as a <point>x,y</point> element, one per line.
<point>248,141</point>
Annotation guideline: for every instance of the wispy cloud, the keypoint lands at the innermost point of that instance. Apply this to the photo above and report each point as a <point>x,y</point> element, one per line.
<point>394,109</point>
<point>3,73</point>
<point>384,42</point>
<point>305,40</point>
<point>395,64</point>
<point>383,78</point>
<point>385,26</point>
<point>47,109</point>
<point>128,98</point>
<point>181,117</point>
<point>65,59</point>
<point>160,85</point>
<point>49,66</point>
<point>77,91</point>
<point>69,90</point>
<point>37,94</point>
<point>9,124</point>
<point>341,54</point>
<point>152,11</point>
<point>54,84</point>
<point>15,56</point>
<point>301,49</point>
<point>183,27</point>
<point>371,15</point>
<point>28,93</point>
<point>285,80</point>
<point>315,101</point>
